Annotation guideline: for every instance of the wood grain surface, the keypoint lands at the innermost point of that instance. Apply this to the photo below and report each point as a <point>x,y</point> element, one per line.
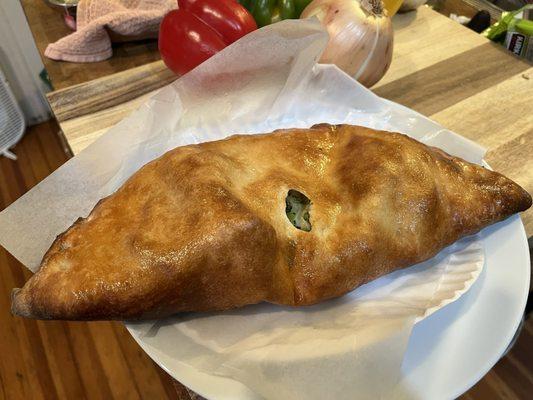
<point>100,360</point>
<point>440,68</point>
<point>47,26</point>
<point>86,98</point>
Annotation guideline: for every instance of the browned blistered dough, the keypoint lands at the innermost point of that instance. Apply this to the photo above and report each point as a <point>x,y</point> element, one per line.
<point>204,226</point>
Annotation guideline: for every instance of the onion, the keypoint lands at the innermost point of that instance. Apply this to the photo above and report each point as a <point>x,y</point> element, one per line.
<point>360,36</point>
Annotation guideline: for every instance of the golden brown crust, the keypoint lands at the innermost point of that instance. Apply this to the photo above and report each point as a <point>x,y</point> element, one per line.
<point>204,226</point>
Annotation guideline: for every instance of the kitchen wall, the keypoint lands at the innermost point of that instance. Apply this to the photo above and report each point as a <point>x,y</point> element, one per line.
<point>21,63</point>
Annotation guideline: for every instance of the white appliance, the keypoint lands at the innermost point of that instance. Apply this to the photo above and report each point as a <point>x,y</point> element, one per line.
<point>12,124</point>
<point>21,63</point>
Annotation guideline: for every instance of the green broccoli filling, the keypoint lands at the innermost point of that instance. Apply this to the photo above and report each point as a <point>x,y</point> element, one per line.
<point>297,210</point>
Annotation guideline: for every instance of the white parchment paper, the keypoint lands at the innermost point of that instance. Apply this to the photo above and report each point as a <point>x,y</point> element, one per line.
<point>350,347</point>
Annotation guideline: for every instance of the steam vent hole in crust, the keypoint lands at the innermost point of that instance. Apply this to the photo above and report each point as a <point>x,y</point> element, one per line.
<point>297,208</point>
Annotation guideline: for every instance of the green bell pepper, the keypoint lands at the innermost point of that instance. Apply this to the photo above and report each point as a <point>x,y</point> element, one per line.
<point>266,12</point>
<point>262,11</point>
<point>287,10</point>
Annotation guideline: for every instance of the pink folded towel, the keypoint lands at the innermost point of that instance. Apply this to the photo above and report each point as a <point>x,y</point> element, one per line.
<point>102,21</point>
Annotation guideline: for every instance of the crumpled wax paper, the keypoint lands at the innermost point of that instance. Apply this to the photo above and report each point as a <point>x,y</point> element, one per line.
<point>351,347</point>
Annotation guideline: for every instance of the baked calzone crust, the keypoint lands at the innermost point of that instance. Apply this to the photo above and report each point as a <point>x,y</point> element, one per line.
<point>294,217</point>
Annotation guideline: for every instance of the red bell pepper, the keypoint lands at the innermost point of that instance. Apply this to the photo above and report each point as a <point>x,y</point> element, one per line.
<point>200,28</point>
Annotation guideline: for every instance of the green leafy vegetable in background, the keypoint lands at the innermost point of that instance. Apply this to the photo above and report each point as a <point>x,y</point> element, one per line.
<point>498,31</point>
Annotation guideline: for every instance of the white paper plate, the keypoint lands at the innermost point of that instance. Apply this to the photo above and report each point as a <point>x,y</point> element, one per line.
<point>454,348</point>
<point>450,350</point>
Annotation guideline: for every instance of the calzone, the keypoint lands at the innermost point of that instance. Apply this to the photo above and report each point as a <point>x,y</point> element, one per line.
<point>293,217</point>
